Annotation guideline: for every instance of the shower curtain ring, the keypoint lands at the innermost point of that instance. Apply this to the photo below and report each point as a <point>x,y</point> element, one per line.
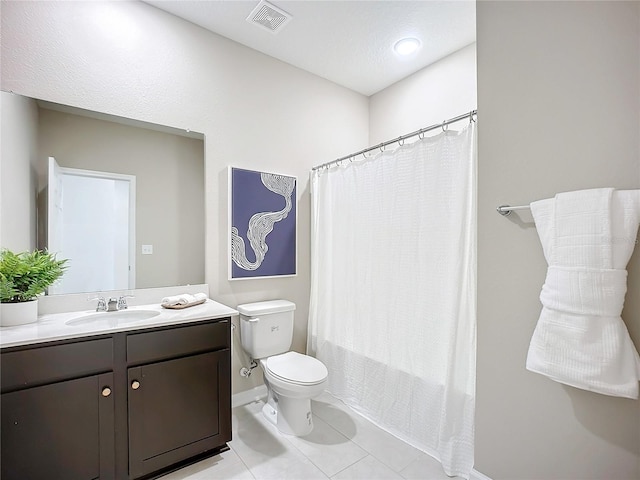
<point>421,134</point>
<point>401,141</point>
<point>445,126</point>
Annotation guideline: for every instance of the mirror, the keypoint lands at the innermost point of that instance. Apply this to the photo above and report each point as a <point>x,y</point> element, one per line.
<point>168,166</point>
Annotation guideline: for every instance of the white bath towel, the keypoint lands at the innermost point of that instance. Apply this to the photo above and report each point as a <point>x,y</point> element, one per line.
<point>183,299</point>
<point>580,339</point>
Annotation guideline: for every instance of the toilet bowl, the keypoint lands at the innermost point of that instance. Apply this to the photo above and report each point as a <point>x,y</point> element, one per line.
<point>292,379</point>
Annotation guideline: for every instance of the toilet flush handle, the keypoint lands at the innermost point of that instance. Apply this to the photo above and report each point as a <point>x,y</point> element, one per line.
<point>254,319</point>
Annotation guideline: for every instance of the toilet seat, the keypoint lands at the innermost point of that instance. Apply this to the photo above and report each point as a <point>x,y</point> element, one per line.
<point>296,368</point>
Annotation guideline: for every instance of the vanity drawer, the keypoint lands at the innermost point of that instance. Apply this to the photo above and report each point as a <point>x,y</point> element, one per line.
<point>178,341</point>
<point>48,364</point>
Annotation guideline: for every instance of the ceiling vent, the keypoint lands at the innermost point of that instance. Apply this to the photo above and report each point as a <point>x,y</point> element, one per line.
<point>269,16</point>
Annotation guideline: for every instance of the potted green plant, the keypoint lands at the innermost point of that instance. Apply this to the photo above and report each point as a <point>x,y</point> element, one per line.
<point>24,276</point>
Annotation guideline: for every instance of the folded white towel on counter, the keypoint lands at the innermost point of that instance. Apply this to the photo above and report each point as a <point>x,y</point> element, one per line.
<point>580,339</point>
<point>183,299</point>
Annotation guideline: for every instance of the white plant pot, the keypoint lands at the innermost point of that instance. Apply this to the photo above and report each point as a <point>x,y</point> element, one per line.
<point>20,313</point>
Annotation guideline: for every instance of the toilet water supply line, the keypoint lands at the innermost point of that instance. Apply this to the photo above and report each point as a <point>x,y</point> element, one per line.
<point>244,371</point>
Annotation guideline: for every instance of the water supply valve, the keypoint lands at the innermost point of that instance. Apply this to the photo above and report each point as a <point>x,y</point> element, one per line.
<point>246,372</point>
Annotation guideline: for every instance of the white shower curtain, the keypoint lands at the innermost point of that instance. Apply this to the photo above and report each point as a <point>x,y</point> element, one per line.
<point>392,309</point>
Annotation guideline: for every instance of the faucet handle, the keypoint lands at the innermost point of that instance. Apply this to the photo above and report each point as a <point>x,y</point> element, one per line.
<point>122,301</point>
<point>102,304</point>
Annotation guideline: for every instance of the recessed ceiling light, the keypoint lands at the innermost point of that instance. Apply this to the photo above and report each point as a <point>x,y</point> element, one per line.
<point>406,46</point>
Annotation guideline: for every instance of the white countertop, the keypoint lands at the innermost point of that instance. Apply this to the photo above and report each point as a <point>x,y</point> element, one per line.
<point>54,326</point>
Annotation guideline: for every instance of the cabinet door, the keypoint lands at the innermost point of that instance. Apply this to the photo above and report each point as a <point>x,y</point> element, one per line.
<point>63,430</point>
<point>177,409</point>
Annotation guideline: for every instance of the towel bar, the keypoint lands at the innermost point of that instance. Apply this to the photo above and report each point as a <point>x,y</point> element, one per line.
<point>505,210</point>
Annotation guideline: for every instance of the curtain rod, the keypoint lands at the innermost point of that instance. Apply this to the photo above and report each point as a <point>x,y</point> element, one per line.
<point>401,138</point>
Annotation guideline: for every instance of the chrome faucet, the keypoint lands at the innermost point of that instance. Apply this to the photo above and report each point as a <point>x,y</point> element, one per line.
<point>102,304</point>
<point>122,302</point>
<point>113,305</point>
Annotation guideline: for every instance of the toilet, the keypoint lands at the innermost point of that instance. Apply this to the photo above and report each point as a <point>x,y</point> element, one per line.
<point>292,379</point>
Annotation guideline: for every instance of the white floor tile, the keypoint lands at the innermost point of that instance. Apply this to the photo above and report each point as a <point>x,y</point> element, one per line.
<point>226,465</point>
<point>342,446</point>
<point>382,445</point>
<point>267,453</point>
<point>425,467</point>
<point>327,448</point>
<point>367,469</point>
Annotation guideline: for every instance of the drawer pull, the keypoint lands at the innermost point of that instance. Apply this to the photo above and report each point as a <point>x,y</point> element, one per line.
<point>106,391</point>
<point>135,384</point>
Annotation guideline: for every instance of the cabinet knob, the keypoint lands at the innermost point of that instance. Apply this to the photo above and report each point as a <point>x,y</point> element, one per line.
<point>106,391</point>
<point>135,384</point>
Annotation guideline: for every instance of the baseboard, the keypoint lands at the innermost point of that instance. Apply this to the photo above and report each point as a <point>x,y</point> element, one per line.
<point>476,475</point>
<point>248,396</point>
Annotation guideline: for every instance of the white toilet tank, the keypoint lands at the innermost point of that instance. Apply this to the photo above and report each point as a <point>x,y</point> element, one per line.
<point>266,328</point>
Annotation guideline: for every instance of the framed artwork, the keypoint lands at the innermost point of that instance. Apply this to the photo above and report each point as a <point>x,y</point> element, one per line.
<point>262,224</point>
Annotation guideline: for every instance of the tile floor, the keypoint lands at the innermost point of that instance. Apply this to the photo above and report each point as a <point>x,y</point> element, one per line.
<point>342,446</point>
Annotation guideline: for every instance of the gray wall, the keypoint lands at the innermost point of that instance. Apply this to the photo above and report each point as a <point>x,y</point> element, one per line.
<point>444,89</point>
<point>559,110</point>
<point>18,187</point>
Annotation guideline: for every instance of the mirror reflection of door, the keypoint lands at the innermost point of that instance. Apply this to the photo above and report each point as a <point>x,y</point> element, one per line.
<point>91,221</point>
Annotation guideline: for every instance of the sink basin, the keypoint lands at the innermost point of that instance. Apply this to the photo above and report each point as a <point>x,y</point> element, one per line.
<point>113,319</point>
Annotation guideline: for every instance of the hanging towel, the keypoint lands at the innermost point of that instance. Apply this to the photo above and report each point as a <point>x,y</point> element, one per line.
<point>580,339</point>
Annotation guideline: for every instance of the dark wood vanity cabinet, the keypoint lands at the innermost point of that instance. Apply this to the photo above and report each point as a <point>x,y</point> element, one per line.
<point>179,389</point>
<point>57,410</point>
<point>127,405</point>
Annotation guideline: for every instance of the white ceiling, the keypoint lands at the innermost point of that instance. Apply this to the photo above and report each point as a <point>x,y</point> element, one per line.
<point>347,42</point>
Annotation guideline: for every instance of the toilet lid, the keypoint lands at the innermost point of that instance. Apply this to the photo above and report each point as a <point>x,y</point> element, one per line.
<point>297,368</point>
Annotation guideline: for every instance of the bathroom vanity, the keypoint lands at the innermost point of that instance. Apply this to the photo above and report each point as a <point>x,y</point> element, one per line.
<point>119,401</point>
